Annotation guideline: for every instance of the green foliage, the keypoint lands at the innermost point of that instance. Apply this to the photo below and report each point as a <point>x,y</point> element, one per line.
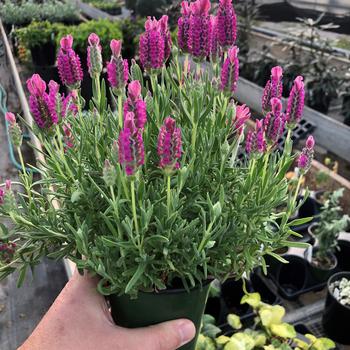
<point>269,332</point>
<point>38,33</point>
<point>214,216</point>
<point>331,223</point>
<point>110,6</point>
<point>104,28</point>
<point>24,12</point>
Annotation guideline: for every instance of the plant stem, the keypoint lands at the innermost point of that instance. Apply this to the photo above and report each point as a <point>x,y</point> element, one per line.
<point>296,191</point>
<point>168,194</point>
<point>120,111</point>
<point>133,206</point>
<point>25,175</point>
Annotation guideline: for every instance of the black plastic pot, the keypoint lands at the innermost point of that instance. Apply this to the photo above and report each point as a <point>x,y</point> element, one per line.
<point>343,255</point>
<point>232,293</point>
<point>321,274</point>
<point>308,209</point>
<point>44,55</point>
<point>291,278</point>
<point>336,316</point>
<point>152,308</point>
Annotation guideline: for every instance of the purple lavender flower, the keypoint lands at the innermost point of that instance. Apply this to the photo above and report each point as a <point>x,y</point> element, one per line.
<point>69,66</point>
<point>227,24</point>
<point>200,29</point>
<point>152,46</point>
<point>117,68</point>
<point>274,122</point>
<point>230,71</point>
<point>295,104</point>
<point>273,88</point>
<point>131,150</point>
<point>169,145</point>
<point>242,115</point>
<point>214,47</point>
<point>94,55</point>
<point>46,108</point>
<point>306,156</point>
<point>255,140</point>
<point>134,103</point>
<point>164,29</point>
<point>184,27</point>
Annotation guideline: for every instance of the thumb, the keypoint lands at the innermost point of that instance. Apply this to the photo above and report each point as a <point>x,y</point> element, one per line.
<point>164,336</point>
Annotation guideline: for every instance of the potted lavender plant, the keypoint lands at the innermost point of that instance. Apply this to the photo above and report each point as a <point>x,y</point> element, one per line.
<point>152,197</point>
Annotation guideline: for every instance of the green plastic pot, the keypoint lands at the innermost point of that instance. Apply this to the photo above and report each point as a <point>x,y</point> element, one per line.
<point>152,308</point>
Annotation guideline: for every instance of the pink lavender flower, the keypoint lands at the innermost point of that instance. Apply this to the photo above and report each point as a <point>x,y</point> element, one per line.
<point>242,115</point>
<point>214,47</point>
<point>310,143</point>
<point>152,45</point>
<point>227,24</point>
<point>230,71</point>
<point>184,27</point>
<point>46,108</point>
<point>164,29</point>
<point>7,251</point>
<point>7,198</point>
<point>295,104</point>
<point>2,196</point>
<point>306,156</point>
<point>69,66</point>
<point>274,122</point>
<point>94,55</point>
<point>117,68</point>
<point>134,103</point>
<point>273,88</point>
<point>255,140</point>
<point>200,29</point>
<point>169,145</point>
<point>131,150</point>
<point>14,129</point>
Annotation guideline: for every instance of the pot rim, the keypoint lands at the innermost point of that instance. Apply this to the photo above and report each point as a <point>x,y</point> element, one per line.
<point>334,265</point>
<point>180,290</point>
<point>336,277</point>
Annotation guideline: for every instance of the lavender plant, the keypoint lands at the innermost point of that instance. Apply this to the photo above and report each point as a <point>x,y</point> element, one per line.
<point>154,191</point>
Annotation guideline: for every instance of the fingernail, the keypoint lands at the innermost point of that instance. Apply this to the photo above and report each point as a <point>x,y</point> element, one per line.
<point>187,331</point>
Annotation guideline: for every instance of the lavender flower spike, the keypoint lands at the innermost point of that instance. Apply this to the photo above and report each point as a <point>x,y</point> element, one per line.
<point>69,66</point>
<point>131,150</point>
<point>94,56</point>
<point>274,122</point>
<point>169,145</point>
<point>306,156</point>
<point>200,29</point>
<point>230,71</point>
<point>184,27</point>
<point>273,88</point>
<point>152,46</point>
<point>295,104</point>
<point>255,140</point>
<point>134,103</point>
<point>117,68</point>
<point>227,24</point>
<point>14,129</point>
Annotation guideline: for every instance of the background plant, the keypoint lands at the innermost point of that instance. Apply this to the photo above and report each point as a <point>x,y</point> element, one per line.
<point>24,12</point>
<point>331,223</point>
<point>269,332</point>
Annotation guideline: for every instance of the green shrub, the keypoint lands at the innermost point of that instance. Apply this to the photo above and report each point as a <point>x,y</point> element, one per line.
<point>104,28</point>
<point>28,11</point>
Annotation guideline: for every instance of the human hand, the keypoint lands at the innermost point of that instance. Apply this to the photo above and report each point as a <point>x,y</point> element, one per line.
<point>80,320</point>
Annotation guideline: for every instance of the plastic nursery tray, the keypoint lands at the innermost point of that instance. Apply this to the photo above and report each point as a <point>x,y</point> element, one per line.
<point>231,295</point>
<point>296,278</point>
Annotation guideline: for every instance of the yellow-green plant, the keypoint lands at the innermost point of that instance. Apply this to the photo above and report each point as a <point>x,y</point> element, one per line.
<point>269,332</point>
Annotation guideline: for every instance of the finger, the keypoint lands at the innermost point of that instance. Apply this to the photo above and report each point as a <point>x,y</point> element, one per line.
<point>164,336</point>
